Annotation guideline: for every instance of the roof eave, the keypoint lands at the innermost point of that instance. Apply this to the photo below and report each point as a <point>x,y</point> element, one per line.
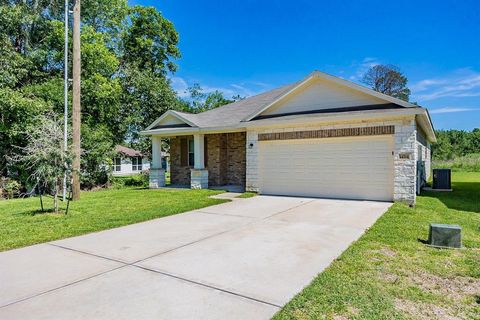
<point>172,113</point>
<point>339,81</point>
<point>189,131</point>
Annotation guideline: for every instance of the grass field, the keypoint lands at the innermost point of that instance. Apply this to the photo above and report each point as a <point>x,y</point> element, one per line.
<point>470,162</point>
<point>390,273</point>
<point>22,224</point>
<point>246,195</point>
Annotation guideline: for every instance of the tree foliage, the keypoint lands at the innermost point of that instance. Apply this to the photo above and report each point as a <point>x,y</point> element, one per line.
<point>200,101</point>
<point>127,53</point>
<point>387,79</point>
<point>455,143</point>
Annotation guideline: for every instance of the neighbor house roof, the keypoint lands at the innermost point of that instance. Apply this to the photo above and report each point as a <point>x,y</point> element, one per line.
<point>241,113</point>
<point>127,151</point>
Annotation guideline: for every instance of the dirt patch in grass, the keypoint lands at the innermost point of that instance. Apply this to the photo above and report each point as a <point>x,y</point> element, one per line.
<point>455,288</point>
<point>351,312</point>
<point>387,252</point>
<point>424,311</point>
<point>388,277</point>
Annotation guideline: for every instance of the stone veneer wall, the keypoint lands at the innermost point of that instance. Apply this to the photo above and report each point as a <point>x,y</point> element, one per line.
<point>225,160</point>
<point>405,144</point>
<point>424,146</point>
<point>178,174</point>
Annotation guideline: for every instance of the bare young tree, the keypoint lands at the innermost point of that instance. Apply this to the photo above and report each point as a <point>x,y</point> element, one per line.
<point>387,79</point>
<point>44,155</point>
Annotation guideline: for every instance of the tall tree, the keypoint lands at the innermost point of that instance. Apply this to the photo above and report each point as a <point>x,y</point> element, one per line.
<point>127,53</point>
<point>200,101</point>
<point>387,79</point>
<point>76,114</point>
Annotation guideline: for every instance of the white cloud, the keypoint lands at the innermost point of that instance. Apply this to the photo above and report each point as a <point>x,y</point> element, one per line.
<point>244,89</point>
<point>180,86</point>
<point>461,83</point>
<point>363,67</point>
<point>451,110</point>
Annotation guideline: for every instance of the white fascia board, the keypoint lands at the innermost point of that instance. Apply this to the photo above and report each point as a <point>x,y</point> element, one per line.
<point>333,117</point>
<point>354,86</point>
<point>169,113</point>
<point>189,131</point>
<point>339,81</point>
<point>425,122</point>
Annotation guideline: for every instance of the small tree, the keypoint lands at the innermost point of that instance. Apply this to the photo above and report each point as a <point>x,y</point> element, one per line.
<point>387,79</point>
<point>45,157</point>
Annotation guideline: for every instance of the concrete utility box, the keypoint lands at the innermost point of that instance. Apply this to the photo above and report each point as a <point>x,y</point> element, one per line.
<point>445,235</point>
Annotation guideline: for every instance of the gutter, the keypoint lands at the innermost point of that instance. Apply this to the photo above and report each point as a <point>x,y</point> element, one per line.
<point>420,113</point>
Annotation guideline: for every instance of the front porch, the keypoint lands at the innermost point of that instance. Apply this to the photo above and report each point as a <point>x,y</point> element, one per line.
<point>200,161</point>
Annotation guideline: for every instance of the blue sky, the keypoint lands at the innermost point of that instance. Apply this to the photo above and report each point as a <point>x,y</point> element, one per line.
<point>247,47</point>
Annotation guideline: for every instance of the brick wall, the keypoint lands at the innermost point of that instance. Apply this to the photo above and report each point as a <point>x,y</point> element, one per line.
<point>405,144</point>
<point>178,174</point>
<point>236,158</point>
<point>225,160</point>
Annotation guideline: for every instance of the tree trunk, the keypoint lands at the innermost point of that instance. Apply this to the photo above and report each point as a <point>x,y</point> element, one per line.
<point>41,200</point>
<point>76,101</point>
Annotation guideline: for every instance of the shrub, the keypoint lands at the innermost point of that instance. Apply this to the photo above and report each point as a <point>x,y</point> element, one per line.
<point>9,188</point>
<point>470,162</point>
<point>138,180</point>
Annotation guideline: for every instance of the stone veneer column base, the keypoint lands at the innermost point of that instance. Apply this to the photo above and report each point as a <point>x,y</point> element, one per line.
<point>199,178</point>
<point>157,178</point>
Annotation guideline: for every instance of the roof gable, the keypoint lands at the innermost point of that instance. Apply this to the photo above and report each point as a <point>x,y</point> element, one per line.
<point>319,94</point>
<point>340,86</point>
<point>172,118</point>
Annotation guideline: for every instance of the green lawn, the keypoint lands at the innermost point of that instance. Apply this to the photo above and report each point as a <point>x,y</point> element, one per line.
<point>389,273</point>
<point>246,195</point>
<point>22,224</point>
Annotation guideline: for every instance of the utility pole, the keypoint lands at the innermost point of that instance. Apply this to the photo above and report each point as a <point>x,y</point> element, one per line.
<point>76,101</point>
<point>65,93</point>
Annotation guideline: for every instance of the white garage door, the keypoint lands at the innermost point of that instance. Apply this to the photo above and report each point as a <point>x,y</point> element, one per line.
<point>349,168</point>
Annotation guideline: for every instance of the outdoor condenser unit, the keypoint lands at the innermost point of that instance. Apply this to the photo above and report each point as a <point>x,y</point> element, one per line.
<point>442,179</point>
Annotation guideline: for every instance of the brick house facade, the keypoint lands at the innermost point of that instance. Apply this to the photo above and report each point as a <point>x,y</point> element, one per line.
<point>225,159</point>
<point>319,137</point>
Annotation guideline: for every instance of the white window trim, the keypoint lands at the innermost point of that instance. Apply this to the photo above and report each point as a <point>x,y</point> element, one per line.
<point>137,164</point>
<point>117,167</point>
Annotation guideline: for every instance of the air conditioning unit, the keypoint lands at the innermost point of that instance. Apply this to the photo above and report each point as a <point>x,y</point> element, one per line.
<point>442,179</point>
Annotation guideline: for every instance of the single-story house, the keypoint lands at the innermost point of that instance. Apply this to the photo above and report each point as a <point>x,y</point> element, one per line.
<point>128,161</point>
<point>322,136</point>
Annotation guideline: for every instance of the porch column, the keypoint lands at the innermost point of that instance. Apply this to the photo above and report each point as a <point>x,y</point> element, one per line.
<point>199,175</point>
<point>157,173</point>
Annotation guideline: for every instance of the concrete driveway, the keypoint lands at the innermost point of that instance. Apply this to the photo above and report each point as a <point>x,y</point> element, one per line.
<point>239,260</point>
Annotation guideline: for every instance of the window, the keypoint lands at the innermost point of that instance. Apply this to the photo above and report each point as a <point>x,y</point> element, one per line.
<point>191,154</point>
<point>117,164</point>
<point>136,163</point>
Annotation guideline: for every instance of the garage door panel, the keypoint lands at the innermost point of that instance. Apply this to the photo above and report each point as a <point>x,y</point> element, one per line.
<point>355,168</point>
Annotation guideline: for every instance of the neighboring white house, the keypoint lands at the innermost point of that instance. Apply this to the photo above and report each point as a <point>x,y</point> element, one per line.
<point>322,136</point>
<point>129,161</point>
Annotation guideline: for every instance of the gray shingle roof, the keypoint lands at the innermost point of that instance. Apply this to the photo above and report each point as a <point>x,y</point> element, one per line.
<point>234,113</point>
